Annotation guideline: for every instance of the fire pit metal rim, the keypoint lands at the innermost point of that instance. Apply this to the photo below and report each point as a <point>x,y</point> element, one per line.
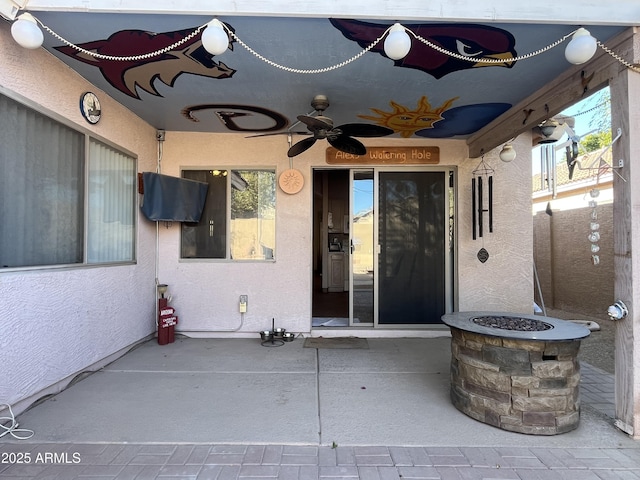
<point>562,329</point>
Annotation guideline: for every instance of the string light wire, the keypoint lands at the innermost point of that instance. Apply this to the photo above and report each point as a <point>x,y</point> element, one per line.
<point>438,48</point>
<point>131,58</point>
<point>490,60</point>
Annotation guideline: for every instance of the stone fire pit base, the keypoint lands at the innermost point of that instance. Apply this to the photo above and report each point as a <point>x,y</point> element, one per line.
<point>522,385</point>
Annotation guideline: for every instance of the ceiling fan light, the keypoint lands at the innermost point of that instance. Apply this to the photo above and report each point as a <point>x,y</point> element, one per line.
<point>581,47</point>
<point>508,153</point>
<point>214,38</point>
<point>26,33</point>
<point>398,43</point>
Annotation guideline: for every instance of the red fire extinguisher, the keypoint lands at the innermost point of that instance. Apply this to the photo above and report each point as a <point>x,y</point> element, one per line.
<point>166,319</point>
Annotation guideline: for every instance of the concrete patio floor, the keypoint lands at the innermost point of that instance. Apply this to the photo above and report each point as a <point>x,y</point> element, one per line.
<point>238,395</point>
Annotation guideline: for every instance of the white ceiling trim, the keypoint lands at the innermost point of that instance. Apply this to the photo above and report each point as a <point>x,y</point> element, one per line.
<point>572,12</point>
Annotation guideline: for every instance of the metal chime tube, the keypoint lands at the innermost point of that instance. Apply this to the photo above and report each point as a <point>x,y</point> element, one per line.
<point>480,209</point>
<point>554,185</point>
<point>543,168</point>
<point>491,204</point>
<point>473,207</point>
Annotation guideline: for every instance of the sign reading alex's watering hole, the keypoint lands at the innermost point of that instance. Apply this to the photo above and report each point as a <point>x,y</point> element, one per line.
<point>387,156</point>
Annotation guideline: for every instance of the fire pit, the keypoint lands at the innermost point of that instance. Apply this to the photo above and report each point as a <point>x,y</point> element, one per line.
<point>516,372</point>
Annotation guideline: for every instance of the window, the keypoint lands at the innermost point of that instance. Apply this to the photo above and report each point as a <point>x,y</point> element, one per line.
<point>63,200</point>
<point>112,198</point>
<point>238,221</point>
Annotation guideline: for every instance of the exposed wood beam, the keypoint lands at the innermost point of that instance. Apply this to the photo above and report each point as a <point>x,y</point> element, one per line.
<point>572,12</point>
<point>564,91</point>
<point>625,95</point>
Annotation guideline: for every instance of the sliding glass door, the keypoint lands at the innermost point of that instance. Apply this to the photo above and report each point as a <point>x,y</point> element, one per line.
<point>388,248</point>
<point>413,222</point>
<point>362,248</point>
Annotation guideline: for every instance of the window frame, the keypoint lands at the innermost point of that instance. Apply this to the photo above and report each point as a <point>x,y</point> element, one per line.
<point>228,258</point>
<point>88,136</point>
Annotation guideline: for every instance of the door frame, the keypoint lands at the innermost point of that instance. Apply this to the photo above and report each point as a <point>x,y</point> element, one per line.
<point>450,228</point>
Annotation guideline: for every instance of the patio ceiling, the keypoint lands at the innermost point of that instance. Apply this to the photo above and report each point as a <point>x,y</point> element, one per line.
<point>427,94</point>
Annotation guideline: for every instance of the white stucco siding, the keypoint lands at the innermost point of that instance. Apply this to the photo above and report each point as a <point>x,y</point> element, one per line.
<point>55,323</point>
<point>205,293</point>
<point>505,281</point>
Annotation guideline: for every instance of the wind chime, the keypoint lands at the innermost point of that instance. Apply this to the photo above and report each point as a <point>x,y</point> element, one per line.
<point>600,166</point>
<point>482,174</point>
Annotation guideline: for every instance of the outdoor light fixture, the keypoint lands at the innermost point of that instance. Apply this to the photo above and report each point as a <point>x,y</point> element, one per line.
<point>581,47</point>
<point>398,43</point>
<point>548,127</point>
<point>214,38</point>
<point>26,33</point>
<point>508,153</point>
<point>617,311</point>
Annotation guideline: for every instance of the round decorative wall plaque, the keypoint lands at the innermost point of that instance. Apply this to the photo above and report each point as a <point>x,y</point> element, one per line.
<point>90,107</point>
<point>291,181</point>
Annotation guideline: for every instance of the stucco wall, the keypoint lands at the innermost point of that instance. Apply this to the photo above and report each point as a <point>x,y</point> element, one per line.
<point>205,293</point>
<point>56,323</point>
<point>505,281</point>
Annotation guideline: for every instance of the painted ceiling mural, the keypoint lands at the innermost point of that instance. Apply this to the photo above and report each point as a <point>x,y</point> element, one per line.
<point>468,40</point>
<point>473,41</point>
<point>451,121</point>
<point>190,58</point>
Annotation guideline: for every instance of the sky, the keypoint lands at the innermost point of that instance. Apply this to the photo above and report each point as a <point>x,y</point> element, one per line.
<point>583,114</point>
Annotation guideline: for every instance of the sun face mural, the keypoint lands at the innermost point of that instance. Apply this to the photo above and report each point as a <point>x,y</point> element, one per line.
<point>441,122</point>
<point>407,122</point>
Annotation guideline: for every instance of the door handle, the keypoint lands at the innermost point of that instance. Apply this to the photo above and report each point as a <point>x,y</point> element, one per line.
<point>351,246</point>
<point>211,228</point>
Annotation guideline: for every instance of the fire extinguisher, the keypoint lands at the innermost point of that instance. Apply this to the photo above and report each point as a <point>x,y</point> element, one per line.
<point>166,318</point>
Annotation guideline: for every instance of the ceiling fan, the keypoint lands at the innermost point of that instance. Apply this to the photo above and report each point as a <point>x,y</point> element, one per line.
<point>340,137</point>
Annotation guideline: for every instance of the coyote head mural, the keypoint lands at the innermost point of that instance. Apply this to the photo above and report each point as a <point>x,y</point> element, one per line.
<point>127,76</point>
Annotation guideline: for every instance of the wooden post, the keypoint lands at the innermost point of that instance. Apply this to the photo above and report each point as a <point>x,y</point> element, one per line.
<point>625,114</point>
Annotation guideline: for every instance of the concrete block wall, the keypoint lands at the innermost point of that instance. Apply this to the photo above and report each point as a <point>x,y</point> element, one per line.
<point>568,279</point>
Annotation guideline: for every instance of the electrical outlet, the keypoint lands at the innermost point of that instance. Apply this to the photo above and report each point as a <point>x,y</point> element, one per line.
<point>243,303</point>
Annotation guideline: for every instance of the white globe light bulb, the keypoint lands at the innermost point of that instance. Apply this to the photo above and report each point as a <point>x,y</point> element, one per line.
<point>26,33</point>
<point>581,47</point>
<point>398,43</point>
<point>508,153</point>
<point>214,38</point>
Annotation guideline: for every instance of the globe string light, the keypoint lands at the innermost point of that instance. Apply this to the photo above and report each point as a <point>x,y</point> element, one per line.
<point>233,35</point>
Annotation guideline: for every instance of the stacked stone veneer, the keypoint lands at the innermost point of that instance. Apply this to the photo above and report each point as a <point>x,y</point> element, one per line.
<point>526,386</point>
